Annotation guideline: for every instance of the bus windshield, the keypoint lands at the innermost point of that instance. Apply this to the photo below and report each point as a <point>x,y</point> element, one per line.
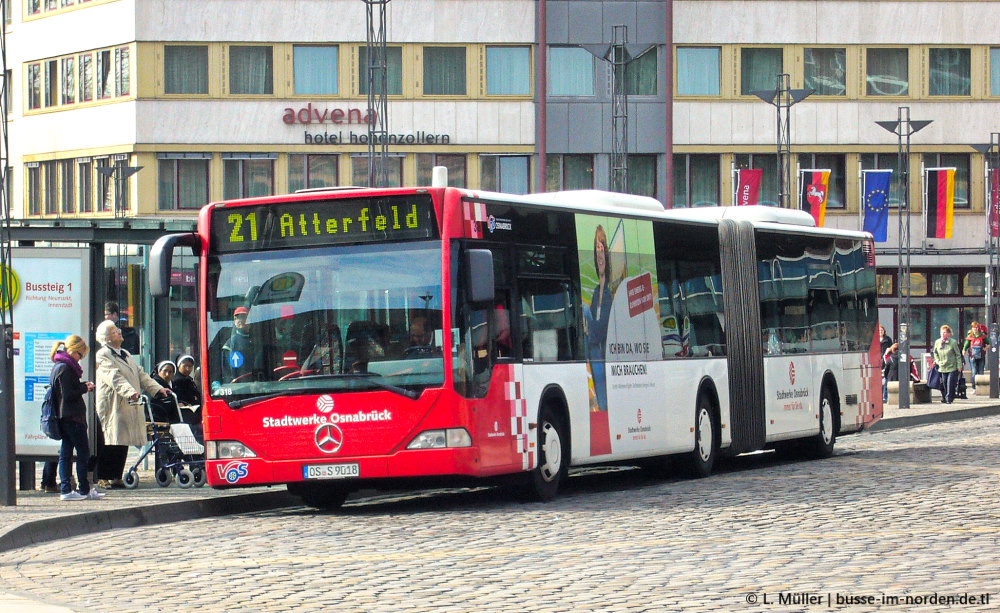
<point>325,319</point>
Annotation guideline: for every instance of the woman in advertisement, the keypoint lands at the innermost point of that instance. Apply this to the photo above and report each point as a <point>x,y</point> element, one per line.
<point>596,318</point>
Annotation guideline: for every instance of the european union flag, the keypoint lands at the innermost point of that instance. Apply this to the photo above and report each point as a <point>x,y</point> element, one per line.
<point>875,193</point>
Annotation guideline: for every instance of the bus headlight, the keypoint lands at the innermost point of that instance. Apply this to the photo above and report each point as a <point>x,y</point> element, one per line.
<point>221,450</point>
<point>440,439</point>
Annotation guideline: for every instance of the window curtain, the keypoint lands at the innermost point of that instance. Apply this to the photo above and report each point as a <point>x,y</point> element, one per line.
<point>680,182</point>
<point>995,71</point>
<point>185,69</point>
<point>642,175</point>
<point>250,70</point>
<point>393,71</point>
<point>192,183</point>
<point>455,163</point>
<point>825,71</point>
<point>950,72</point>
<point>231,179</point>
<point>578,172</point>
<point>85,187</point>
<point>122,71</point>
<point>69,81</point>
<point>704,175</point>
<point>571,72</point>
<point>104,74</point>
<point>316,70</point>
<point>34,86</point>
<point>769,180</point>
<point>887,73</point>
<point>258,177</point>
<point>513,174</point>
<point>698,71</point>
<point>508,71</point>
<point>759,69</point>
<point>444,71</point>
<point>640,74</point>
<point>322,171</point>
<point>394,170</point>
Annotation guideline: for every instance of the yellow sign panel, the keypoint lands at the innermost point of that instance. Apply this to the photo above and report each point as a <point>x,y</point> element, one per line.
<point>9,279</point>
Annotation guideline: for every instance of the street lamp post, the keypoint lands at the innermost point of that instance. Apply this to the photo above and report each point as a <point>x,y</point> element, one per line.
<point>120,174</point>
<point>993,254</point>
<point>903,128</point>
<point>782,97</point>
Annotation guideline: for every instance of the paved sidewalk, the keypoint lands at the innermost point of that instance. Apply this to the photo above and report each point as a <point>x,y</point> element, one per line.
<point>40,517</point>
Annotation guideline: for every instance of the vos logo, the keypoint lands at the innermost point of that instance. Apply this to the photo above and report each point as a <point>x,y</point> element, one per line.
<point>233,471</point>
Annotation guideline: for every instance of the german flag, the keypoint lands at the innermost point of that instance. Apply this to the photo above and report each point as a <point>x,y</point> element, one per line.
<point>940,202</point>
<point>812,195</point>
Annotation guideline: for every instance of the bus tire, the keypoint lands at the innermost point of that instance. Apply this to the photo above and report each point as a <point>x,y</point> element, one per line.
<point>701,459</point>
<point>553,457</point>
<point>821,445</point>
<point>318,495</point>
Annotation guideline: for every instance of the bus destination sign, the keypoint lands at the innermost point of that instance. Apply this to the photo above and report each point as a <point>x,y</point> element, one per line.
<point>315,223</point>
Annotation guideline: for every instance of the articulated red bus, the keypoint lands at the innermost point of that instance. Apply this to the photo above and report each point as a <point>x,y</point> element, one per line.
<point>356,337</point>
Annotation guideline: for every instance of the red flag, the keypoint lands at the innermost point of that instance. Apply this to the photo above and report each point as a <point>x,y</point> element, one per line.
<point>994,208</point>
<point>815,184</point>
<point>940,202</point>
<point>748,186</point>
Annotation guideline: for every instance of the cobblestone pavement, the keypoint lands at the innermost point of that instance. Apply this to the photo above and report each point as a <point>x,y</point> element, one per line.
<point>911,513</point>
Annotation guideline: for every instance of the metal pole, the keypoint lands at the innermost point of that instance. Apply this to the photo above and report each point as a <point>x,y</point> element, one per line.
<point>8,494</point>
<point>993,267</point>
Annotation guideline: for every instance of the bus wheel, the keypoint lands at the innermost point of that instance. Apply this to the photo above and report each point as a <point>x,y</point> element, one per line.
<point>553,457</point>
<point>821,445</point>
<point>701,460</point>
<point>319,496</point>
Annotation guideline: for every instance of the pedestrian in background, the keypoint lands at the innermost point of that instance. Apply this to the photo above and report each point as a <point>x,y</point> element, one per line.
<point>120,380</point>
<point>948,358</point>
<point>69,389</point>
<point>976,342</point>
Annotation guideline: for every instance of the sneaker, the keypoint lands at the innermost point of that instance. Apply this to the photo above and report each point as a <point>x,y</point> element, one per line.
<point>74,495</point>
<point>50,489</point>
<point>93,494</point>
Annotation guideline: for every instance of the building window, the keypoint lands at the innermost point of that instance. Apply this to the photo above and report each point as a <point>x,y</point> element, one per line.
<point>885,161</point>
<point>311,171</point>
<point>50,175</point>
<point>7,77</point>
<point>251,70</point>
<point>944,284</point>
<point>571,72</point>
<point>768,164</point>
<point>103,74</point>
<point>974,284</point>
<point>508,71</point>
<point>393,71</point>
<point>918,284</point>
<point>887,72</point>
<point>393,170</point>
<point>640,74</point>
<point>826,71</point>
<point>835,191</point>
<point>51,83</point>
<point>995,71</point>
<point>86,64</point>
<point>106,194</point>
<point>34,86</point>
<point>66,191</point>
<point>85,186</point>
<point>122,71</point>
<point>68,81</point>
<point>642,175</point>
<point>185,69</point>
<point>960,162</point>
<point>884,282</point>
<point>183,181</point>
<point>454,162</point>
<point>696,180</point>
<point>698,71</point>
<point>569,172</point>
<point>315,69</point>
<point>444,71</point>
<point>950,72</point>
<point>245,177</point>
<point>34,189</point>
<point>509,174</point>
<point>759,69</point>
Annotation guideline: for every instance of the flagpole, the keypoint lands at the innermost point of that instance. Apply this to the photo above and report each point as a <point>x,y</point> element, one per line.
<point>992,151</point>
<point>861,197</point>
<point>734,177</point>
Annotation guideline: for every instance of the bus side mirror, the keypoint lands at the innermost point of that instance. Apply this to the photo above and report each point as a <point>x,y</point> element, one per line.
<point>160,257</point>
<point>479,275</point>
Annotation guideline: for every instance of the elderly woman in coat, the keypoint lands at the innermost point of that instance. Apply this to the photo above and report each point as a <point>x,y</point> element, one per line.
<point>120,380</point>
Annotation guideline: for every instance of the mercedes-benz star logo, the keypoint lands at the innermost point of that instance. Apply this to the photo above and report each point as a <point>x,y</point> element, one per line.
<point>329,438</point>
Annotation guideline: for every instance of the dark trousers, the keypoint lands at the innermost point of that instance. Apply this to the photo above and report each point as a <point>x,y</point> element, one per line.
<point>49,473</point>
<point>949,384</point>
<point>74,437</point>
<point>110,462</point>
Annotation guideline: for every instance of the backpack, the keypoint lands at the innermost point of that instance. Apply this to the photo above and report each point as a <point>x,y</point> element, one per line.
<point>50,410</point>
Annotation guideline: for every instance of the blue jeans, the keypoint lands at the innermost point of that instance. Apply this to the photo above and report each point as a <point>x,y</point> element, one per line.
<point>949,384</point>
<point>74,436</point>
<point>977,366</point>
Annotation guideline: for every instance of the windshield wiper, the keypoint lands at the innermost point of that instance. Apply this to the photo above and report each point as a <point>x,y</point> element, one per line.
<point>367,376</point>
<point>242,402</point>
